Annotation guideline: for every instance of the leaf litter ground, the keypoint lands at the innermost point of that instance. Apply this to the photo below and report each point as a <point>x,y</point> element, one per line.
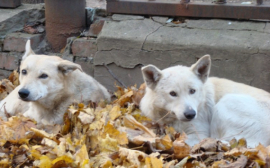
<point>113,135</point>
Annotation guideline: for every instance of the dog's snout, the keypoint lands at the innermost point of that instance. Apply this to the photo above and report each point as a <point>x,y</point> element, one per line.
<point>24,93</point>
<point>190,114</point>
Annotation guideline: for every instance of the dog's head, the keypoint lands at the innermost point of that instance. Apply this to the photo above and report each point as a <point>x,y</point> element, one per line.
<point>42,76</point>
<point>177,90</point>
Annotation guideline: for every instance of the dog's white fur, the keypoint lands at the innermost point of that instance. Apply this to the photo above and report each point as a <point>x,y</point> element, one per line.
<point>62,83</point>
<point>224,109</point>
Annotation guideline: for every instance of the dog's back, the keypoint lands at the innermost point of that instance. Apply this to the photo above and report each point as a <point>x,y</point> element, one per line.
<point>224,86</point>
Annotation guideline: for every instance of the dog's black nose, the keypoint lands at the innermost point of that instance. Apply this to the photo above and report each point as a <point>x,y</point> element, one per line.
<point>190,114</point>
<point>24,93</point>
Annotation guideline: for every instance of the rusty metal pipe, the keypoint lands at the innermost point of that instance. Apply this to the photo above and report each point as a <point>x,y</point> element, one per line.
<point>64,18</point>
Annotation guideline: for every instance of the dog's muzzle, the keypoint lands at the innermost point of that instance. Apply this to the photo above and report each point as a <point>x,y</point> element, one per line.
<point>23,93</point>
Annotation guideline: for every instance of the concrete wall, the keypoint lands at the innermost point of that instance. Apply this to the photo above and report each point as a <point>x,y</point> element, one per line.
<point>240,50</point>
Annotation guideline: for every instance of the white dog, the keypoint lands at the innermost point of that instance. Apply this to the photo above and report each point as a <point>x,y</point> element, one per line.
<point>185,98</point>
<point>48,85</point>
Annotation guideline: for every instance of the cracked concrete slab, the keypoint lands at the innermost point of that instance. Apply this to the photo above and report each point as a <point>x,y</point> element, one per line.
<point>128,76</point>
<point>216,24</point>
<point>177,38</point>
<point>125,59</point>
<point>125,35</point>
<point>240,50</point>
<point>132,58</point>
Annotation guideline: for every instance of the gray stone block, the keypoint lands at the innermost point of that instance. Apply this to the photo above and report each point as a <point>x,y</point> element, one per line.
<point>127,76</point>
<point>177,38</point>
<point>132,58</point>
<point>126,59</point>
<point>240,51</point>
<point>159,19</point>
<point>86,64</point>
<point>126,35</point>
<point>120,17</point>
<point>216,24</point>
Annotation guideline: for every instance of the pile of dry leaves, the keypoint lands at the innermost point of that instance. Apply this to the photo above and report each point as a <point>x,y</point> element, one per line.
<point>113,135</point>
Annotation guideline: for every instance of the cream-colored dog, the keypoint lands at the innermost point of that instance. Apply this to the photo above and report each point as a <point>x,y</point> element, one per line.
<point>48,85</point>
<point>185,98</point>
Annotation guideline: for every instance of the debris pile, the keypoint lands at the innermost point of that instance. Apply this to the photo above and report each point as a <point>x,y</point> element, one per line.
<point>113,135</point>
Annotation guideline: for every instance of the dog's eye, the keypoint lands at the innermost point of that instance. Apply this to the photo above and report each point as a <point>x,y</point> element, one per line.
<point>192,91</point>
<point>24,72</point>
<point>43,76</point>
<point>173,93</point>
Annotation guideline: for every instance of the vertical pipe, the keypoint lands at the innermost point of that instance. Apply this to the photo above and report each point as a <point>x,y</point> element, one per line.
<point>64,18</point>
<point>259,2</point>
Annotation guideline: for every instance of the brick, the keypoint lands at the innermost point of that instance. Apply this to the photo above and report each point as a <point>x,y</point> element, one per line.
<point>9,61</point>
<point>83,47</point>
<point>16,41</point>
<point>10,3</point>
<point>96,28</point>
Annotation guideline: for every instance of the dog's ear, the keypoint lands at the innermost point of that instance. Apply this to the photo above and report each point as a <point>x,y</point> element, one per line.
<point>28,50</point>
<point>151,75</point>
<point>66,67</point>
<point>202,67</point>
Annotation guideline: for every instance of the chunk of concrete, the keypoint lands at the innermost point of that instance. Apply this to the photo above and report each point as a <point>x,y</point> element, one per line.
<point>160,19</point>
<point>126,35</point>
<point>128,76</point>
<point>125,59</point>
<point>216,24</point>
<point>132,58</point>
<point>86,64</point>
<point>121,17</point>
<point>177,38</point>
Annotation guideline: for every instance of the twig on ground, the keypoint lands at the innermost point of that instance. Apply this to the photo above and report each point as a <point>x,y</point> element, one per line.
<point>113,75</point>
<point>169,112</point>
